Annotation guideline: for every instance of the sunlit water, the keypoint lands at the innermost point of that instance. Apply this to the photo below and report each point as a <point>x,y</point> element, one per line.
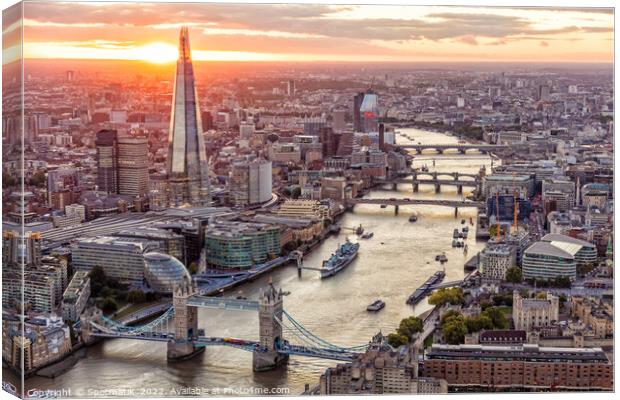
<point>390,266</point>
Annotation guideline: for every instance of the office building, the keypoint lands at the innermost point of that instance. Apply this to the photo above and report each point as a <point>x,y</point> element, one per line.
<point>560,191</point>
<point>240,245</point>
<point>290,87</point>
<point>369,112</point>
<point>21,249</point>
<point>313,125</point>
<point>250,182</point>
<point>163,272</point>
<point>544,260</point>
<point>584,252</point>
<point>301,208</point>
<point>528,314</point>
<point>527,367</point>
<point>187,158</point>
<point>107,159</point>
<point>338,120</point>
<point>543,92</point>
<point>120,258</point>
<point>76,296</point>
<point>168,241</point>
<point>495,260</point>
<point>133,166</point>
<point>524,185</point>
<point>357,116</point>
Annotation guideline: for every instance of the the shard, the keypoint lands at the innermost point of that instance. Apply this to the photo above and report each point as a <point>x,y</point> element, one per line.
<point>187,160</point>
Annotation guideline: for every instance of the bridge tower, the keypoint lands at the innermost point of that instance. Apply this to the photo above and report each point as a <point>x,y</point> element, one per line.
<point>185,324</point>
<point>270,305</point>
<point>90,314</point>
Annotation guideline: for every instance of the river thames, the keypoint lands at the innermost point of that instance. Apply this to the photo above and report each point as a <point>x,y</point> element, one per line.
<point>390,266</point>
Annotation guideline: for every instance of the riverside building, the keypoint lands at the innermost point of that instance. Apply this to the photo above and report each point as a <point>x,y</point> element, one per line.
<point>76,296</point>
<point>120,258</point>
<point>527,367</point>
<point>240,245</point>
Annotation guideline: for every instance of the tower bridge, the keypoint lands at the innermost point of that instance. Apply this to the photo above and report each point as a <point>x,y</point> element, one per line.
<point>178,328</point>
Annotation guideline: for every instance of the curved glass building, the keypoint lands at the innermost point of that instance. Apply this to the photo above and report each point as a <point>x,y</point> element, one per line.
<point>162,272</point>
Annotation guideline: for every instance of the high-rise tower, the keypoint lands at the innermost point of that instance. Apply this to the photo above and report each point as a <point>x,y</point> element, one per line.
<point>187,160</point>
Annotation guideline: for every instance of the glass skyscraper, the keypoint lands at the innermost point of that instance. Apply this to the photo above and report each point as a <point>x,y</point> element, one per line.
<point>187,160</point>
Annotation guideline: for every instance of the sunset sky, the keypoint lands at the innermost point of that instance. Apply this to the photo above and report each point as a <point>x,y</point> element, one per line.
<point>149,31</point>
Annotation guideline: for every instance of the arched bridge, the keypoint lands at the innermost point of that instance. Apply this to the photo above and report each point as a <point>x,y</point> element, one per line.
<point>280,334</point>
<point>461,148</point>
<point>410,202</point>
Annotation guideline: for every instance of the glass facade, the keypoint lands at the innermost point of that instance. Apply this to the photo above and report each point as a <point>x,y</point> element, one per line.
<point>240,246</point>
<point>187,158</point>
<point>163,272</point>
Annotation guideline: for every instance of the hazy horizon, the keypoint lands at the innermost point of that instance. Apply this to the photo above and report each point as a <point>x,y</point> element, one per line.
<point>311,33</point>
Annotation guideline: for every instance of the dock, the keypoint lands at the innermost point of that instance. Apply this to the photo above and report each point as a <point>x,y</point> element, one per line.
<point>426,288</point>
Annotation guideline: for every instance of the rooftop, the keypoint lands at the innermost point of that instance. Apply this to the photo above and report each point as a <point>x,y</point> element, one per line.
<point>548,249</point>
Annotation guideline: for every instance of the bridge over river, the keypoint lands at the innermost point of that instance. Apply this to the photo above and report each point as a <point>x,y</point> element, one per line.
<point>280,334</point>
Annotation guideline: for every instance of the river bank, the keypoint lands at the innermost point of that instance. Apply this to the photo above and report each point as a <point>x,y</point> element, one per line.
<point>399,258</point>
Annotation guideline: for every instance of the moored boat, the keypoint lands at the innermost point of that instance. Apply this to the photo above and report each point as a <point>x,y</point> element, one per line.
<point>340,259</point>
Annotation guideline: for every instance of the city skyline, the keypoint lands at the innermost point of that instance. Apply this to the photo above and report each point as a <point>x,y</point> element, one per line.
<point>367,223</point>
<point>304,33</point>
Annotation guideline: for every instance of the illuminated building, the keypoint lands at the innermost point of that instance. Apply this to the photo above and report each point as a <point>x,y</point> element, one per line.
<point>187,159</point>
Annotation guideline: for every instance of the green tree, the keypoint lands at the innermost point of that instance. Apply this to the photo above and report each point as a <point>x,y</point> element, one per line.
<point>396,339</point>
<point>478,323</point>
<point>502,300</point>
<point>410,326</point>
<point>514,275</point>
<point>7,180</point>
<point>296,192</point>
<point>454,330</point>
<point>452,296</point>
<point>109,305</point>
<point>136,296</point>
<point>493,230</point>
<point>193,267</point>
<point>562,298</point>
<point>497,316</point>
<point>38,179</point>
<point>562,282</point>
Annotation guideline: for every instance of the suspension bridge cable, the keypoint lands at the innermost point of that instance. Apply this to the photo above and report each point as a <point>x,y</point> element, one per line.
<point>319,339</point>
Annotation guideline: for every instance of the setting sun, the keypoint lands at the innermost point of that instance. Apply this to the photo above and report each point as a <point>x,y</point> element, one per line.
<point>156,52</point>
